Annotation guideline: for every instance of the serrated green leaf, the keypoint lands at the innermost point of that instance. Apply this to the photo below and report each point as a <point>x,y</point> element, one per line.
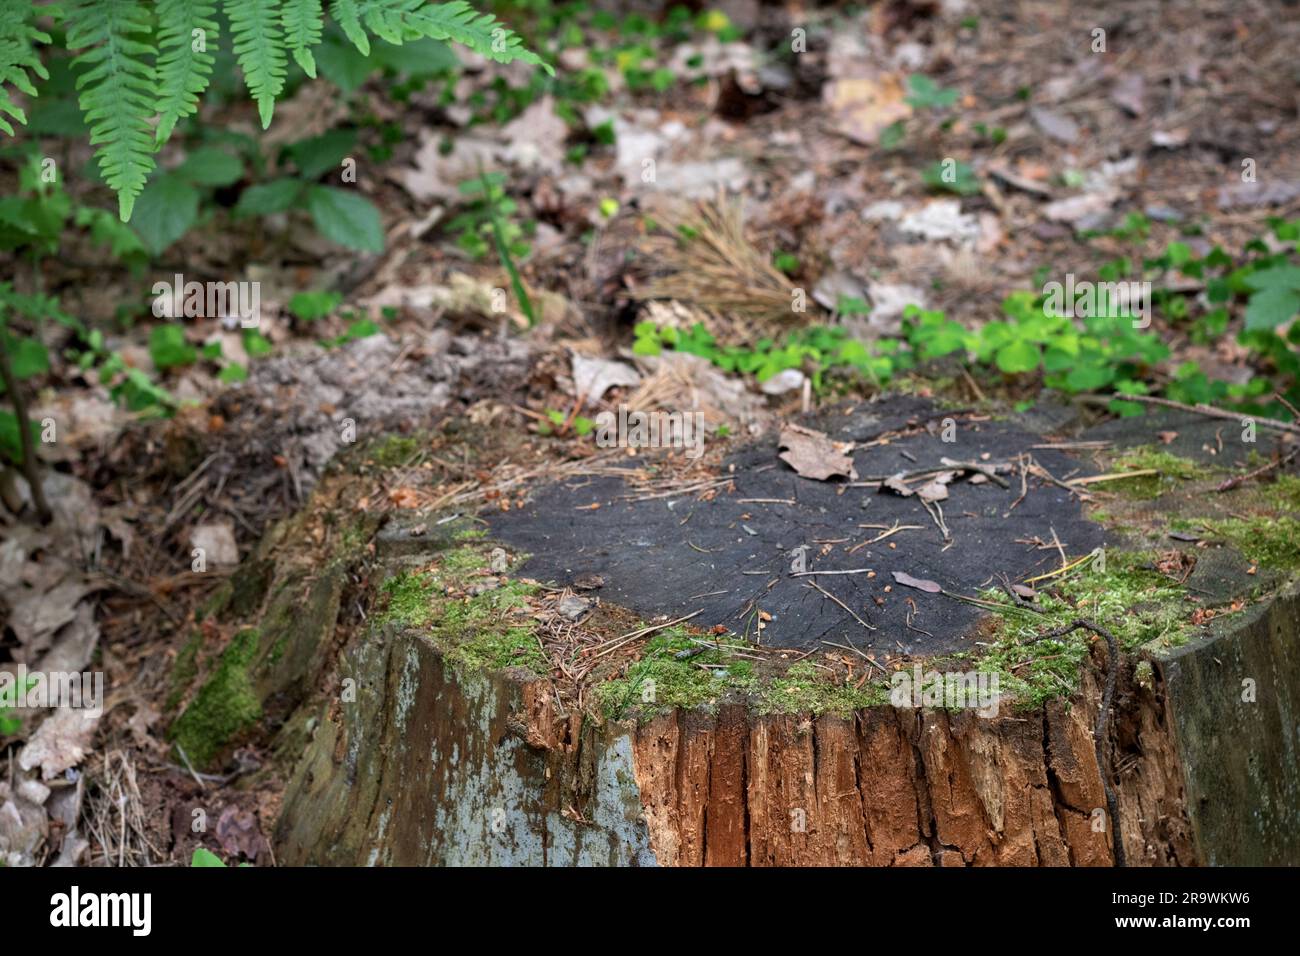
<point>1278,277</point>
<point>1018,356</point>
<point>117,87</point>
<point>279,195</point>
<point>187,37</point>
<point>301,20</point>
<point>165,211</point>
<point>1270,307</point>
<point>321,153</point>
<point>259,47</point>
<point>346,218</point>
<point>210,167</point>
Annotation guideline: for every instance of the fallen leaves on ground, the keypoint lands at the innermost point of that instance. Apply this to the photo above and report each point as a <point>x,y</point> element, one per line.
<point>813,455</point>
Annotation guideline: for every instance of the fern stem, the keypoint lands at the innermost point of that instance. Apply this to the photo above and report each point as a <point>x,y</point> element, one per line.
<point>31,467</point>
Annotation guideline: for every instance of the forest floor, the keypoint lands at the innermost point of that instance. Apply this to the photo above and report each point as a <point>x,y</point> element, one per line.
<point>805,172</point>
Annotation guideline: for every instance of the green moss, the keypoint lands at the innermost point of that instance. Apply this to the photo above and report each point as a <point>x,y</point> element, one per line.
<point>475,631</point>
<point>804,689</point>
<point>394,451</point>
<point>1172,469</point>
<point>661,680</point>
<point>226,705</point>
<point>494,650</point>
<point>1283,494</point>
<point>1136,603</point>
<point>411,599</point>
<point>217,603</point>
<point>1271,542</point>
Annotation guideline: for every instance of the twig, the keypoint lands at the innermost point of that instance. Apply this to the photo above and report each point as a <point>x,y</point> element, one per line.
<point>814,584</point>
<point>1207,410</point>
<point>808,574</point>
<point>850,647</point>
<point>1239,480</point>
<point>641,632</point>
<point>988,471</point>
<point>1113,476</point>
<point>1099,734</point>
<point>189,766</point>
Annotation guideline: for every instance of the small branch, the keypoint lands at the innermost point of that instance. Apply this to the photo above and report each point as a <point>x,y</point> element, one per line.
<point>1207,410</point>
<point>31,468</point>
<point>1099,733</point>
<point>814,584</point>
<point>1238,480</point>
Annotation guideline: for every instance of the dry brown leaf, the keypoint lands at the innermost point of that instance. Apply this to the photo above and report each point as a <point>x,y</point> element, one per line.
<point>864,105</point>
<point>813,455</point>
<point>921,584</point>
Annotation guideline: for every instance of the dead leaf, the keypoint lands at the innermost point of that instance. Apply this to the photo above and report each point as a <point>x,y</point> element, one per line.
<point>937,488</point>
<point>813,455</point>
<point>60,742</point>
<point>897,485</point>
<point>1058,127</point>
<point>217,541</point>
<point>1076,208</point>
<point>37,615</point>
<point>905,579</point>
<point>1129,94</point>
<point>863,106</point>
<point>536,137</point>
<point>239,833</point>
<point>404,497</point>
<point>438,175</point>
<point>593,377</point>
<point>941,219</point>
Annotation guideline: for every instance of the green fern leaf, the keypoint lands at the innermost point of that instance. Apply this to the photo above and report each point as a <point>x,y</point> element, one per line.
<point>347,15</point>
<point>18,54</point>
<point>117,89</point>
<point>183,70</point>
<point>481,32</point>
<point>302,30</point>
<point>259,48</point>
<point>400,20</point>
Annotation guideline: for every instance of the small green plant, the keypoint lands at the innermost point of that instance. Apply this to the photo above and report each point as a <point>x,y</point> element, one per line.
<point>558,423</point>
<point>205,857</point>
<point>925,94</point>
<point>312,306</point>
<point>10,724</point>
<point>950,175</point>
<point>487,217</point>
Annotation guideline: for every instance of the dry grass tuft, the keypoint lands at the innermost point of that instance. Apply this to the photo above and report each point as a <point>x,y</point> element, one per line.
<point>717,269</point>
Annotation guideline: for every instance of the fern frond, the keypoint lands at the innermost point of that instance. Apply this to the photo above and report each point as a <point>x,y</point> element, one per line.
<point>18,54</point>
<point>399,20</point>
<point>481,32</point>
<point>259,48</point>
<point>302,31</point>
<point>183,71</point>
<point>348,16</point>
<point>117,87</point>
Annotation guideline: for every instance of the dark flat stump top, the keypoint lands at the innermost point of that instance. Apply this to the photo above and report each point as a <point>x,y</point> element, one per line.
<point>674,556</point>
